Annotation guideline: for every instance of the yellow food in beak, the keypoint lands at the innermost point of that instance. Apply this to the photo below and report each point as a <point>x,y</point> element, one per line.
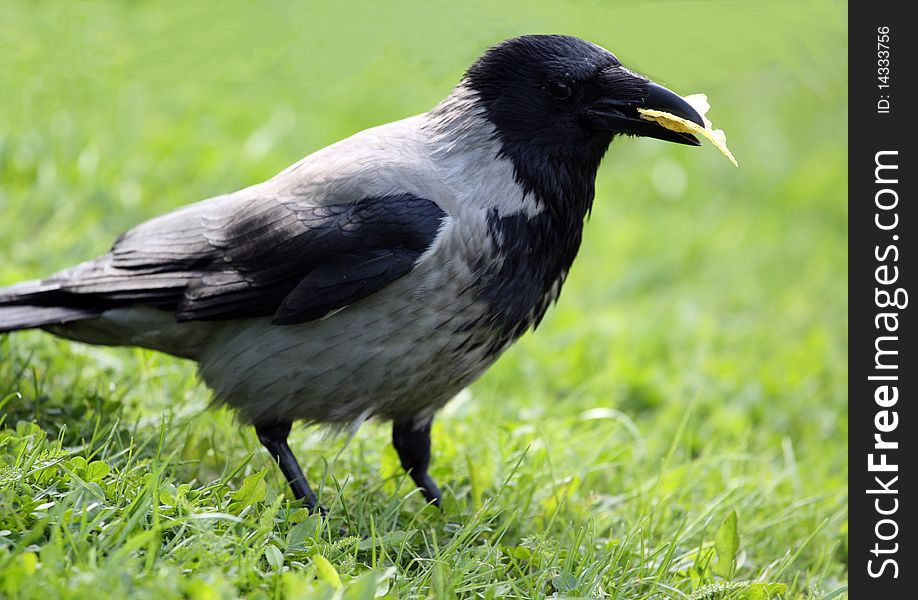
<point>670,121</point>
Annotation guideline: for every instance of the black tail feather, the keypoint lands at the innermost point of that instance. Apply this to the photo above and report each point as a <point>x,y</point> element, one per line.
<point>22,307</point>
<point>16,317</point>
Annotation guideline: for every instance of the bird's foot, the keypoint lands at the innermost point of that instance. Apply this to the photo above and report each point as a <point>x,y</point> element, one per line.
<point>274,438</point>
<point>412,442</point>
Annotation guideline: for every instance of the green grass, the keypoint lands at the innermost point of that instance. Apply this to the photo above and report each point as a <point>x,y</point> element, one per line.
<point>695,367</point>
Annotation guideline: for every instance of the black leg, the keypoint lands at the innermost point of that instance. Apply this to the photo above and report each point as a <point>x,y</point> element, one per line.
<point>413,446</point>
<point>274,438</point>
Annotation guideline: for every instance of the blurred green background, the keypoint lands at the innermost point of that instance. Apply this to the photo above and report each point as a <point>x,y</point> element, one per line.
<point>695,366</point>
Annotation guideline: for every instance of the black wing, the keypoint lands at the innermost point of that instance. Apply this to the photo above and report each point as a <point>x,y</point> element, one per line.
<point>250,257</point>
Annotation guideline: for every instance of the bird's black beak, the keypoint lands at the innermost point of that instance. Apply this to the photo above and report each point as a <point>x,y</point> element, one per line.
<point>624,93</point>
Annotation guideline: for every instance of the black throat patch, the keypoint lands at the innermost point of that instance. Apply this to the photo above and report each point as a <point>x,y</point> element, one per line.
<point>536,252</point>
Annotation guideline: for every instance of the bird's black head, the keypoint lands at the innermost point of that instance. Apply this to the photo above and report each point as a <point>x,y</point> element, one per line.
<point>557,101</point>
<point>558,90</point>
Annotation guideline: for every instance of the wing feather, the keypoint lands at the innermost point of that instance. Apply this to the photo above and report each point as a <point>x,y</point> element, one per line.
<point>247,255</point>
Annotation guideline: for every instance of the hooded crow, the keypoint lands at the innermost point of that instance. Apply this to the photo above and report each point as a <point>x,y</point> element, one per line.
<point>379,276</point>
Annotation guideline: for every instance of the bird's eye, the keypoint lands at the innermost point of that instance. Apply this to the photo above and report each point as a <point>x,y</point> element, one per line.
<point>559,90</point>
